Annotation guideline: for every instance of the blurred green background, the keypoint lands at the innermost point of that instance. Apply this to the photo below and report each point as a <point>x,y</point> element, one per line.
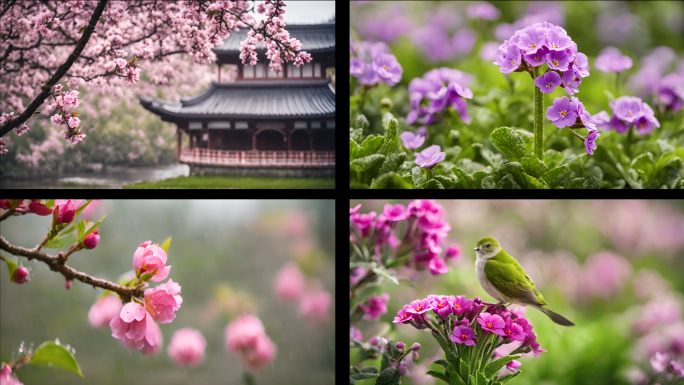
<point>224,254</point>
<point>614,268</point>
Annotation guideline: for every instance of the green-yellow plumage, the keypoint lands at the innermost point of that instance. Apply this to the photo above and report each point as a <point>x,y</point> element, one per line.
<point>503,278</point>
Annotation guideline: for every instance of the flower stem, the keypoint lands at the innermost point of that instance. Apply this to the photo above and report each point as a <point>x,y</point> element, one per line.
<point>577,135</point>
<point>538,118</point>
<point>630,136</point>
<point>617,83</point>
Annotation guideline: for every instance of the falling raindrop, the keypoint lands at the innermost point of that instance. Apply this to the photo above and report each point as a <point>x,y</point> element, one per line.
<point>68,347</point>
<point>21,348</point>
<point>57,341</point>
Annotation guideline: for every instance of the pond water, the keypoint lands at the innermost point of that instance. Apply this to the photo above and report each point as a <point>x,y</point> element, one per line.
<point>114,177</point>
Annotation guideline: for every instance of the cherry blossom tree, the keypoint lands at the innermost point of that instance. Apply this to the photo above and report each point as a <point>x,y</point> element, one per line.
<point>50,51</point>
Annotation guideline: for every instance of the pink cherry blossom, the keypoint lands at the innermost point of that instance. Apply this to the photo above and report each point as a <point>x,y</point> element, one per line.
<point>57,119</point>
<point>153,341</point>
<point>21,130</point>
<point>187,347</point>
<point>131,324</point>
<point>66,210</point>
<point>289,282</point>
<point>151,257</point>
<point>104,310</point>
<point>6,377</point>
<point>163,301</point>
<point>314,306</point>
<point>261,355</point>
<point>243,333</point>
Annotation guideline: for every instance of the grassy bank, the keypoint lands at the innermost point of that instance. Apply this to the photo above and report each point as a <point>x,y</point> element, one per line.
<point>207,182</point>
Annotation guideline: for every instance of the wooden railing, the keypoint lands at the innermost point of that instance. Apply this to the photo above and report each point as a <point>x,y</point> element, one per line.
<point>257,158</point>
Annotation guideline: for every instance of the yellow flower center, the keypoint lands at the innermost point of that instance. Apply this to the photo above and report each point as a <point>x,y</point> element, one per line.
<point>533,45</point>
<point>555,62</point>
<point>512,62</point>
<point>441,305</point>
<point>509,332</point>
<point>548,85</point>
<point>404,316</point>
<point>566,83</point>
<point>630,114</point>
<point>418,308</point>
<point>489,325</point>
<point>463,336</point>
<point>457,306</point>
<point>641,125</point>
<point>385,67</point>
<point>575,62</point>
<point>537,58</point>
<point>564,113</point>
<point>575,79</point>
<point>555,46</point>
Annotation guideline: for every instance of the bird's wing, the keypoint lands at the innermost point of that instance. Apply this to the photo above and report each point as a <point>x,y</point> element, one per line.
<point>506,274</point>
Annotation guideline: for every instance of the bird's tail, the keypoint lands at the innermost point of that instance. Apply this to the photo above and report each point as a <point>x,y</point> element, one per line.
<point>555,317</point>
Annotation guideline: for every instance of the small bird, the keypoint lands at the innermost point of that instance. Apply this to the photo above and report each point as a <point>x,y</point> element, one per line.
<point>502,277</point>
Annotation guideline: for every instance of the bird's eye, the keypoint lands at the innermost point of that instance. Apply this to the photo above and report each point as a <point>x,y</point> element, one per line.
<point>487,245</point>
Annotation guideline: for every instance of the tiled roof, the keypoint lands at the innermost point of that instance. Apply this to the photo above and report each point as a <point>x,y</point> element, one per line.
<point>314,37</point>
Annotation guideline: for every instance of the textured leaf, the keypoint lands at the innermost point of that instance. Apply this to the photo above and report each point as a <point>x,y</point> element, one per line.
<point>391,142</point>
<point>665,148</point>
<point>447,182</point>
<point>418,176</point>
<point>478,177</point>
<point>369,146</point>
<point>533,166</point>
<point>392,163</point>
<point>386,117</point>
<point>553,158</point>
<point>355,134</point>
<point>667,171</point>
<point>644,166</point>
<point>363,164</point>
<point>489,182</point>
<point>353,149</point>
<point>81,229</point>
<point>494,159</point>
<point>93,228</point>
<point>509,142</point>
<point>362,122</point>
<point>470,167</point>
<point>370,369</point>
<point>509,377</point>
<point>383,273</point>
<point>454,376</point>
<point>61,241</point>
<point>363,376</point>
<point>508,182</point>
<point>452,153</point>
<point>439,375</point>
<point>390,180</point>
<point>593,178</point>
<point>523,180</point>
<point>51,354</point>
<point>557,176</point>
<point>464,179</point>
<point>464,368</point>
<point>493,367</point>
<point>166,244</point>
<point>11,267</point>
<point>480,378</point>
<point>432,184</point>
<point>386,376</point>
<point>442,362</point>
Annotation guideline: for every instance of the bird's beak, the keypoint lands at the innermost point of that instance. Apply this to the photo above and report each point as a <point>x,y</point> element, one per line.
<point>477,249</point>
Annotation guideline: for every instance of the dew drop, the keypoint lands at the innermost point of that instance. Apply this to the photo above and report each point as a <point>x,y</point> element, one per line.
<point>57,341</point>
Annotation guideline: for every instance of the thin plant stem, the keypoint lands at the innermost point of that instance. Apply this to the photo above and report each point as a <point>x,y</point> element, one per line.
<point>630,136</point>
<point>538,118</point>
<point>577,135</point>
<point>617,83</point>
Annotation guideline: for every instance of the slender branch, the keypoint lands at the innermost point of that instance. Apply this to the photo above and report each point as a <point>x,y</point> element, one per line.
<point>59,265</point>
<point>61,71</point>
<point>7,214</point>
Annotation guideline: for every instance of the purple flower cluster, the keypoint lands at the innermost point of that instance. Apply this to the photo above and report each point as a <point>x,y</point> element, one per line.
<point>441,88</point>
<point>482,11</point>
<point>661,362</point>
<point>571,113</point>
<point>649,79</point>
<point>628,111</point>
<point>611,60</point>
<point>434,39</point>
<point>383,66</point>
<point>386,25</point>
<point>424,233</point>
<point>544,43</point>
<point>469,322</point>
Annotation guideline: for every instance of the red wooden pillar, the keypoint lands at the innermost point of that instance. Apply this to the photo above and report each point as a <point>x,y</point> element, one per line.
<point>253,141</point>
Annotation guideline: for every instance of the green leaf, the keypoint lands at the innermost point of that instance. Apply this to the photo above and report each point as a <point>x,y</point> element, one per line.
<point>355,134</point>
<point>81,229</point>
<point>523,180</point>
<point>11,267</point>
<point>644,166</point>
<point>68,230</point>
<point>389,146</point>
<point>442,362</point>
<point>165,245</point>
<point>370,369</point>
<point>508,182</point>
<point>352,381</point>
<point>509,142</point>
<point>353,149</point>
<point>51,354</point>
<point>509,377</point>
<point>471,380</point>
<point>432,184</point>
<point>454,376</point>
<point>443,343</point>
<point>667,171</point>
<point>80,209</point>
<point>447,182</point>
<point>385,361</point>
<point>383,273</point>
<point>390,180</point>
<point>533,166</point>
<point>365,163</point>
<point>146,277</point>
<point>478,177</point>
<point>439,375</point>
<point>418,177</point>
<point>386,117</point>
<point>593,178</point>
<point>386,376</point>
<point>464,369</point>
<point>93,227</point>
<point>61,241</point>
<point>82,29</point>
<point>363,376</point>
<point>557,176</point>
<point>362,122</point>
<point>493,367</point>
<point>481,380</point>
<point>358,185</point>
<point>464,179</point>
<point>50,203</point>
<point>369,146</point>
<point>392,163</point>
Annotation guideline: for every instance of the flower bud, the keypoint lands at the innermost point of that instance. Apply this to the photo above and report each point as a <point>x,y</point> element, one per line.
<point>60,255</point>
<point>67,284</point>
<point>400,345</point>
<point>374,341</point>
<point>91,240</point>
<point>415,347</point>
<point>145,244</point>
<point>402,369</point>
<point>386,103</point>
<point>21,275</point>
<point>415,356</point>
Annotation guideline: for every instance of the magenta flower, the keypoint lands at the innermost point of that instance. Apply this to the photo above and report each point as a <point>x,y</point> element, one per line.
<point>149,258</point>
<point>314,306</point>
<point>411,140</point>
<point>659,361</point>
<point>131,325</point>
<point>246,335</point>
<point>438,266</point>
<point>364,222</point>
<point>590,142</point>
<point>491,323</point>
<point>104,310</point>
<point>36,207</point>
<point>376,307</point>
<point>290,280</point>
<point>510,59</point>
<point>647,122</point>
<point>531,340</point>
<point>163,301</point>
<point>403,316</point>
<point>387,68</point>
<point>531,41</point>
<point>66,210</point>
<point>558,60</point>
<point>355,334</point>
<point>562,113</point>
<point>6,377</point>
<point>583,114</point>
<point>523,322</point>
<point>21,275</point>
<point>513,331</point>
<point>482,10</point>
<point>402,370</point>
<point>419,306</point>
<point>396,213</point>
<point>355,209</point>
<point>153,341</point>
<point>571,81</point>
<point>557,42</point>
<point>611,60</point>
<point>422,131</point>
<point>513,366</point>
<point>90,241</point>
<point>440,305</point>
<point>429,157</point>
<point>463,335</point>
<point>627,108</point>
<point>548,82</point>
<point>187,347</point>
<point>453,251</point>
<point>538,58</point>
<point>460,304</point>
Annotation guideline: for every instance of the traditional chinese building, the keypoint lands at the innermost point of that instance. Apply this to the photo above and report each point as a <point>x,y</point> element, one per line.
<point>263,123</point>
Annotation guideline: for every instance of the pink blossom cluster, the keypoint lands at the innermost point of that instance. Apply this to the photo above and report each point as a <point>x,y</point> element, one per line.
<point>374,307</point>
<point>21,130</point>
<point>104,310</point>
<point>187,347</point>
<point>6,377</point>
<point>35,206</point>
<point>65,102</point>
<point>246,336</point>
<point>126,69</point>
<point>313,302</point>
<point>44,23</point>
<point>424,232</point>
